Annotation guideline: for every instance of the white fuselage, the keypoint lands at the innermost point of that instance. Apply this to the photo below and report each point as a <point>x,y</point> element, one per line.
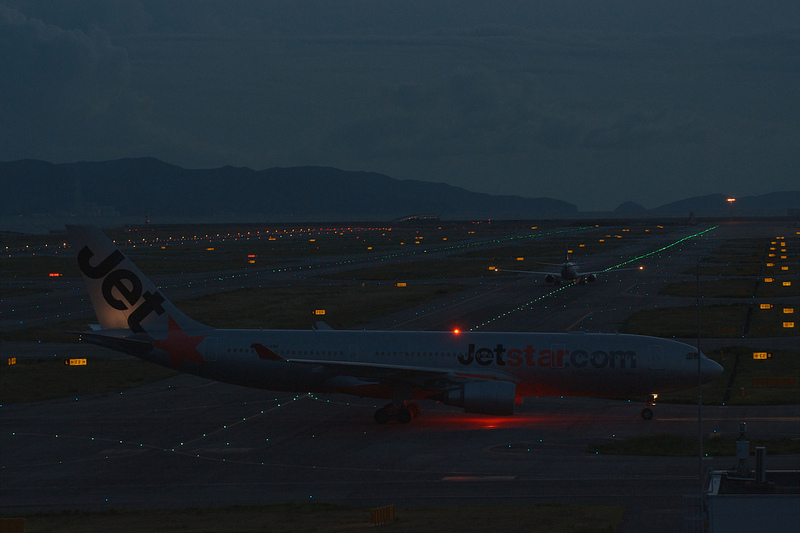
<point>539,363</point>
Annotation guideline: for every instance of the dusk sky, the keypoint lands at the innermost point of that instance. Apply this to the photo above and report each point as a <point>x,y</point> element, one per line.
<point>587,101</point>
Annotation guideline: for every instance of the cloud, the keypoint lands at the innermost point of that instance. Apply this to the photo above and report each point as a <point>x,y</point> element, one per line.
<point>61,88</point>
<point>574,100</point>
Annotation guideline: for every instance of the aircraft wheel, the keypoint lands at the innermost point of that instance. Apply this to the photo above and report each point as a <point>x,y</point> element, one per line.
<point>404,415</point>
<point>381,415</point>
<point>414,409</point>
<point>647,414</point>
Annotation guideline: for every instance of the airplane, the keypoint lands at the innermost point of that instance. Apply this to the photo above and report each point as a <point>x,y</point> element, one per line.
<point>569,272</point>
<point>481,372</point>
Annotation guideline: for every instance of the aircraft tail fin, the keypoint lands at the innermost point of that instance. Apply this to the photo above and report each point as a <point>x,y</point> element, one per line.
<point>122,296</point>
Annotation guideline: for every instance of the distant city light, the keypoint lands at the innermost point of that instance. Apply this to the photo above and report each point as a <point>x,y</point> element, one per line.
<point>731,200</point>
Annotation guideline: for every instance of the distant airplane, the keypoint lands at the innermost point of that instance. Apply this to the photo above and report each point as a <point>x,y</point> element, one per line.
<point>569,272</point>
<point>482,372</point>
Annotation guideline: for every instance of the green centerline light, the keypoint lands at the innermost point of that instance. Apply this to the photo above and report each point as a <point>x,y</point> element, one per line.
<point>551,293</point>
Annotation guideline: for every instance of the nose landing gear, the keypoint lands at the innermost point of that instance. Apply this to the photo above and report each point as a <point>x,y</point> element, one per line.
<point>647,413</point>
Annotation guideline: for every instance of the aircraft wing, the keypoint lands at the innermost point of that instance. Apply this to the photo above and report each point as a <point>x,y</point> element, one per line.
<point>582,273</point>
<point>527,272</point>
<point>386,374</point>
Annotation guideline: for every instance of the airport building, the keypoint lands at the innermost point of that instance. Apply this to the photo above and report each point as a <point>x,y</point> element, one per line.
<point>741,500</point>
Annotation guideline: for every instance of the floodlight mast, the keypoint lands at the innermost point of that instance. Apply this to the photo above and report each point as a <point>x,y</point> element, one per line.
<point>699,380</point>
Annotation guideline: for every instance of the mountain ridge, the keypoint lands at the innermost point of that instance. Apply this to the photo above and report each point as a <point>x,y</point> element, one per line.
<point>150,187</point>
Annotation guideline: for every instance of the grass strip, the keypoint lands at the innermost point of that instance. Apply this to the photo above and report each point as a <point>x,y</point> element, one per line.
<point>46,379</point>
<point>320,517</point>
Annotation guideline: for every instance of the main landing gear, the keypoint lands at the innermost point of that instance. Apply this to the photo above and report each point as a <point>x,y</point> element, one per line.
<point>403,413</point>
<point>647,413</point>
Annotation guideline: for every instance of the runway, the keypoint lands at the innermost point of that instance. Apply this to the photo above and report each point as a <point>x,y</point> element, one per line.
<point>187,442</point>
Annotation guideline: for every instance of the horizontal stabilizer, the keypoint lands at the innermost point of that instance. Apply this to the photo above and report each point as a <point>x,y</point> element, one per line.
<point>121,341</point>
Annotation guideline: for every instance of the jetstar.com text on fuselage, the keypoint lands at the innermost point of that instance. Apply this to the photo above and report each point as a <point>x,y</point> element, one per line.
<point>548,358</point>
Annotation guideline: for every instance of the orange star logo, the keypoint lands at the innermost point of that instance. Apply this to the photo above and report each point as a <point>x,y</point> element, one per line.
<point>180,346</point>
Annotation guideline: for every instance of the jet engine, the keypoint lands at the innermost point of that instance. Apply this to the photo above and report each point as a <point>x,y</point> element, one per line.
<point>550,278</point>
<point>590,278</point>
<point>484,397</point>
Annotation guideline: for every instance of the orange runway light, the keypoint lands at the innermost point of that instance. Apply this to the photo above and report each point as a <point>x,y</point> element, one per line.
<point>75,362</point>
<point>55,274</point>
